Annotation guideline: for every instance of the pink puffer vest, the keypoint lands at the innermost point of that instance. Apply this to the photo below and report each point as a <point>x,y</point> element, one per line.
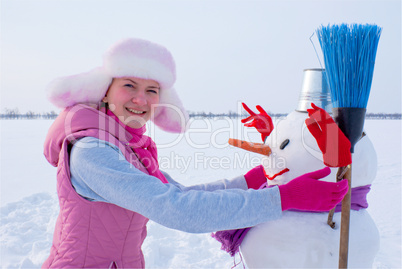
<point>91,234</point>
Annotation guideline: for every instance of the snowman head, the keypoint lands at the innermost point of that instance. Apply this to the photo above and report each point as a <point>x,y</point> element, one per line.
<point>293,148</point>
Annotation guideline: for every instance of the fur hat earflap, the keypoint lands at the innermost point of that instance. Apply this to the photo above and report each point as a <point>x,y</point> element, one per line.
<point>170,114</point>
<point>128,58</point>
<point>89,87</point>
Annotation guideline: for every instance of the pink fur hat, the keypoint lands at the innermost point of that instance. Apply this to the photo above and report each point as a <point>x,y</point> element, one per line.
<point>127,58</point>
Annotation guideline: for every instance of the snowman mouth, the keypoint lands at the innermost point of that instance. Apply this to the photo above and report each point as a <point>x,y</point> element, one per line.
<point>277,174</point>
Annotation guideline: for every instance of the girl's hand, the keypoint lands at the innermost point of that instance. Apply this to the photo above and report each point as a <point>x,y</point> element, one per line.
<point>308,193</point>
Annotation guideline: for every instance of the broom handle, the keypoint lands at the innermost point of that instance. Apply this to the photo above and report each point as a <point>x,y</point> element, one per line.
<point>345,221</point>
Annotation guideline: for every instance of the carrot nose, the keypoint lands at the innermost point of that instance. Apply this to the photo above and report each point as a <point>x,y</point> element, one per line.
<point>253,147</point>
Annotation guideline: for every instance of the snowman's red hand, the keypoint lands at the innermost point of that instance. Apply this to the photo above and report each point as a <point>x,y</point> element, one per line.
<point>262,122</point>
<point>334,145</point>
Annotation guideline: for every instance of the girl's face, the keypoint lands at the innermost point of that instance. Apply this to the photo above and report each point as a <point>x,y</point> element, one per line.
<point>131,99</point>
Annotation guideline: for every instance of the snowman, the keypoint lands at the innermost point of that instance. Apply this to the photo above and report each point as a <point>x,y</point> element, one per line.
<point>304,239</point>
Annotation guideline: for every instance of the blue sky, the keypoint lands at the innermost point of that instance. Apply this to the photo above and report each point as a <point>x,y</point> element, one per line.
<point>226,52</point>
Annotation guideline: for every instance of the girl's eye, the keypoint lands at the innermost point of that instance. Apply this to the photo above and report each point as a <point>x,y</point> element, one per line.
<point>129,85</point>
<point>284,144</point>
<point>153,91</point>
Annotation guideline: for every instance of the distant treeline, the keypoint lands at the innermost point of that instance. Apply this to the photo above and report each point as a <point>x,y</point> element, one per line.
<point>13,114</point>
<point>230,114</point>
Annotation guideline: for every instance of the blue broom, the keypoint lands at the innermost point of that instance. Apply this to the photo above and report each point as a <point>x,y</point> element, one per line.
<point>349,56</point>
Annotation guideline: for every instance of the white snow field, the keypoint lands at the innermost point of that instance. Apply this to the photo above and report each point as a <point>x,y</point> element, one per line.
<point>29,203</point>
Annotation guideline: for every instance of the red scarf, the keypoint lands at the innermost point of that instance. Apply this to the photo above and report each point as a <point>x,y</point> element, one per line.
<point>144,148</point>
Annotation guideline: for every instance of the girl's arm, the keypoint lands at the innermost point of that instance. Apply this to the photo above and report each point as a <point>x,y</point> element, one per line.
<point>235,183</point>
<point>253,179</point>
<point>100,172</point>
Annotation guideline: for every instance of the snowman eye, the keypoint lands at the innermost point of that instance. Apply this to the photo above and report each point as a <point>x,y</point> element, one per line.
<point>284,143</point>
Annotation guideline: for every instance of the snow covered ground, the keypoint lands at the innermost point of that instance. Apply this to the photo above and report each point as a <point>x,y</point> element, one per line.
<point>29,203</point>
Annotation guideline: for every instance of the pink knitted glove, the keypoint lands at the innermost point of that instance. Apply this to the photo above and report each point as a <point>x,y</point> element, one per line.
<point>307,193</point>
<point>255,177</point>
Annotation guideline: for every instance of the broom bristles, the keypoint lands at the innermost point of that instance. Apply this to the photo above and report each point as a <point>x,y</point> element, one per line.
<point>349,56</point>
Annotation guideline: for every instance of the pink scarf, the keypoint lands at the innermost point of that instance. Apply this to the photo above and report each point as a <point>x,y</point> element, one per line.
<point>144,148</point>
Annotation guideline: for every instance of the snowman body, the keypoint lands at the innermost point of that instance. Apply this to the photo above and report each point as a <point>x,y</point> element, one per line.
<point>304,239</point>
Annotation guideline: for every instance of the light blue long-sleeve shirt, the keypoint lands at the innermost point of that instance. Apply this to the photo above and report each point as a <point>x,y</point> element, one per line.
<point>99,172</point>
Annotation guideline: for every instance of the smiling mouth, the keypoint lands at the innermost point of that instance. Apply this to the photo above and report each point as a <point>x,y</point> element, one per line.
<point>137,112</point>
<point>277,174</point>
